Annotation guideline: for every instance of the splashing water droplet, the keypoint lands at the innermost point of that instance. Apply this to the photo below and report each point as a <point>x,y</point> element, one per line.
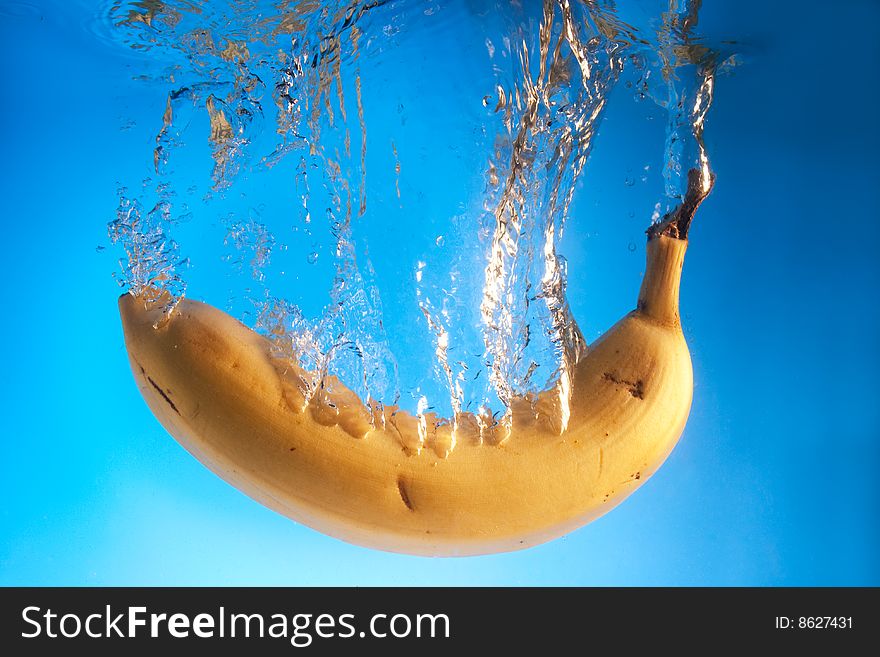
<point>312,258</point>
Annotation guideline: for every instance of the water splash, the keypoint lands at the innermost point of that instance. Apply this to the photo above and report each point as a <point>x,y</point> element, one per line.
<point>152,265</point>
<point>550,115</point>
<point>685,90</point>
<point>280,91</point>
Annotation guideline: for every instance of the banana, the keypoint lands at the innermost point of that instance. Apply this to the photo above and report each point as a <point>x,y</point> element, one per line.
<point>415,484</point>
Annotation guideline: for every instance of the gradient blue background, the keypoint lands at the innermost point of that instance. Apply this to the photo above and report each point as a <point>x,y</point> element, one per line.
<point>775,481</point>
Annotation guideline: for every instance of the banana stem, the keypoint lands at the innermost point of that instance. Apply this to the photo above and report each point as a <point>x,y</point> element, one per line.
<point>667,243</point>
<point>658,297</point>
<point>677,223</point>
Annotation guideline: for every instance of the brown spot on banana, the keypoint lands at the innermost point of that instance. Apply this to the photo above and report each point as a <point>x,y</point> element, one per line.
<point>635,388</point>
<point>163,394</point>
<point>404,495</point>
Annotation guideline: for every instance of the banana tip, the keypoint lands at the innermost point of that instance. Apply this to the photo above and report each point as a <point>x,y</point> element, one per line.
<point>138,310</point>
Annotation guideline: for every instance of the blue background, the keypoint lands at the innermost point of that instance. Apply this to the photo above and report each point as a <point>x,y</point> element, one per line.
<point>774,482</point>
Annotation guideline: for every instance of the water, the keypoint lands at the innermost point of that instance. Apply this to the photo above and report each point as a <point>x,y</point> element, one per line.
<point>413,163</point>
<point>774,480</point>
